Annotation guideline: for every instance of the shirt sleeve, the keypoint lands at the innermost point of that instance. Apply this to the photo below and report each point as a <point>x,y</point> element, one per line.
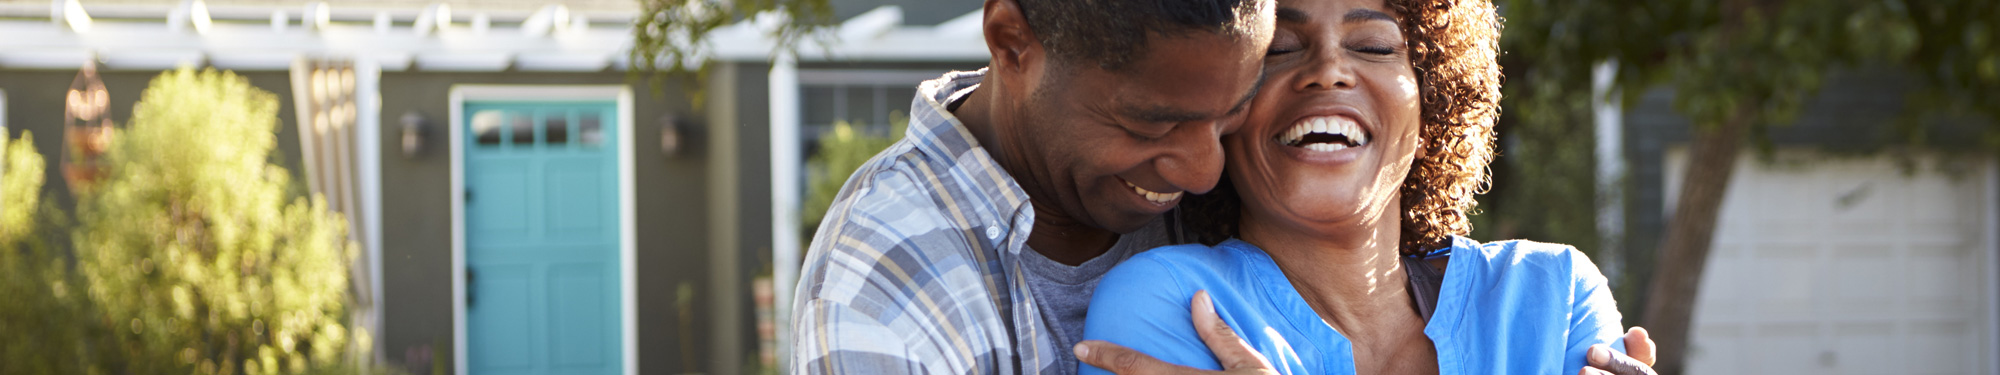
<point>1594,317</point>
<point>1140,305</point>
<point>835,339</point>
<point>852,313</point>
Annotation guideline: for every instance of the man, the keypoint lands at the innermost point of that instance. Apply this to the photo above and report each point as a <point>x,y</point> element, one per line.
<point>972,245</point>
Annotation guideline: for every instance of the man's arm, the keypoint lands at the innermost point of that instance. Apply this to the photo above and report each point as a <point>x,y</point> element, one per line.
<point>856,312</point>
<point>832,338</point>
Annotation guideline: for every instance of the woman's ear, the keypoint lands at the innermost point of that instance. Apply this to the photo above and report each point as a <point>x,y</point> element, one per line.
<point>1009,39</point>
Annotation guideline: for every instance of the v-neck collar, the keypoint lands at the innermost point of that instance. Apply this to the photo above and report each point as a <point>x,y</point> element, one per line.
<point>1285,299</point>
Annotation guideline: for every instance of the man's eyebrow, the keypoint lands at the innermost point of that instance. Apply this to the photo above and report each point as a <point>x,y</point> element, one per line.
<point>1363,14</point>
<point>1159,114</point>
<point>1291,15</point>
<point>1245,101</point>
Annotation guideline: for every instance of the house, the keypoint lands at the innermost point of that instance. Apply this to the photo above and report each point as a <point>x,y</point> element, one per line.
<point>523,204</point>
<point>1836,252</point>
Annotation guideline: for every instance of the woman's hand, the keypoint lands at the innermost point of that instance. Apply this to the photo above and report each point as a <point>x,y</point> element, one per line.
<point>1603,360</point>
<point>1232,352</point>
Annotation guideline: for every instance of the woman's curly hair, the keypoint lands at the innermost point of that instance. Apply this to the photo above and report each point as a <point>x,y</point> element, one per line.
<point>1454,49</point>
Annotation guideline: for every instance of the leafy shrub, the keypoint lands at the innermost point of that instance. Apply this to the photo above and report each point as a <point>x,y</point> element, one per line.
<point>193,255</point>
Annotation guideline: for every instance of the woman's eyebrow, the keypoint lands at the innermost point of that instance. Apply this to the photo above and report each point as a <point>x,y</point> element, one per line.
<point>1361,15</point>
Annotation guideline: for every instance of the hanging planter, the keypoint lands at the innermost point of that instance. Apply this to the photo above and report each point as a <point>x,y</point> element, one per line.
<point>87,130</point>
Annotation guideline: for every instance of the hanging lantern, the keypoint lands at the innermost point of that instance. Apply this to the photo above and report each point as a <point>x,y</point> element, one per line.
<point>87,130</point>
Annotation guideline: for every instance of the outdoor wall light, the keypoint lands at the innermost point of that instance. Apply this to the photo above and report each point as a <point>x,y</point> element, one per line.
<point>670,136</point>
<point>679,136</point>
<point>413,134</point>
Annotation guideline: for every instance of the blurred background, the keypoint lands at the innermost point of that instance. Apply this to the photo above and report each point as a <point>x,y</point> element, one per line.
<point>626,186</point>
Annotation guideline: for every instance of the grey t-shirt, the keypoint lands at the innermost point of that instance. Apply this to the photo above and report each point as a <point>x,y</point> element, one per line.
<point>1062,292</point>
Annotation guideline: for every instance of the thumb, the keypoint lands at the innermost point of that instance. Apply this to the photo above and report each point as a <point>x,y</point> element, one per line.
<point>1230,350</point>
<point>1121,360</point>
<point>1639,345</point>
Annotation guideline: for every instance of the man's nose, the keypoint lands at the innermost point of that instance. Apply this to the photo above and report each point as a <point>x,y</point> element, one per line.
<point>1195,163</point>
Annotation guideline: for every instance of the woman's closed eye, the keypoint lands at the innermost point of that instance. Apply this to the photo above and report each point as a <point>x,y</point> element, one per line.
<point>1374,50</point>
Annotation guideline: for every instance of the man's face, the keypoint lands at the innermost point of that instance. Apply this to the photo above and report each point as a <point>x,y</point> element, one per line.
<point>1113,150</point>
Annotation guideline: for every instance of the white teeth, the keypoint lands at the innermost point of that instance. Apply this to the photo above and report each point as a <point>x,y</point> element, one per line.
<point>1326,147</point>
<point>1161,198</point>
<point>1341,126</point>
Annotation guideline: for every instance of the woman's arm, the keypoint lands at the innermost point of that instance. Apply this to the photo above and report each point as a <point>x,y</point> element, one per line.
<point>1142,306</point>
<point>1594,317</point>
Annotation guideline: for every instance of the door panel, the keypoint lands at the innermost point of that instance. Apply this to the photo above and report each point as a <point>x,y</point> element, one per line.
<point>542,238</point>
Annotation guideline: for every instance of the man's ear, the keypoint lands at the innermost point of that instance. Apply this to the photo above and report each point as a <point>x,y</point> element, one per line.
<point>1009,39</point>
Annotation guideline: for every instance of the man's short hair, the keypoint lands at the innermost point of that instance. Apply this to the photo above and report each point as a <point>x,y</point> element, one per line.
<point>1111,33</point>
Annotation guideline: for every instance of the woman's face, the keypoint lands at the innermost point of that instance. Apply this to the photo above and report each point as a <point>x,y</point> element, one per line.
<point>1332,135</point>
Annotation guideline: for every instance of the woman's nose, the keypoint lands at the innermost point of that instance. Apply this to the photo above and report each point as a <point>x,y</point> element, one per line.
<point>1328,70</point>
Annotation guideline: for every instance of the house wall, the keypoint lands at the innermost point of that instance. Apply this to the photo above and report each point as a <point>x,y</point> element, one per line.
<point>671,220</point>
<point>35,104</point>
<point>1855,114</point>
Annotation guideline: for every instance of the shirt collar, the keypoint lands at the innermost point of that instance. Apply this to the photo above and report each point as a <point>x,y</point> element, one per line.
<point>936,132</point>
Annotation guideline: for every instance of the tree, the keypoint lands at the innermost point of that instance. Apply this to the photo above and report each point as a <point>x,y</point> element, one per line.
<point>671,36</point>
<point>196,257</point>
<point>1739,67</point>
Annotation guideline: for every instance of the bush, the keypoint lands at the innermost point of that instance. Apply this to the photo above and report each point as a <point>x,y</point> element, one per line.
<point>193,256</point>
<point>841,151</point>
<point>43,317</point>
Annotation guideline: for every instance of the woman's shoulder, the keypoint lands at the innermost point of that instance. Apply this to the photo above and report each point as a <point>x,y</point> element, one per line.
<point>1507,259</point>
<point>1195,257</point>
<point>1516,253</point>
<point>1184,263</point>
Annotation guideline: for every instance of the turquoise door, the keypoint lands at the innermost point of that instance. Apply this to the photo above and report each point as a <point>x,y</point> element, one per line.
<point>541,232</point>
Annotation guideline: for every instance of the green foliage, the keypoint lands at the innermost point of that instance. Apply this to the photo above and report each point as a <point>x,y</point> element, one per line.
<point>191,250</point>
<point>43,315</point>
<point>671,36</point>
<point>841,151</point>
<point>1758,61</point>
<point>1543,184</point>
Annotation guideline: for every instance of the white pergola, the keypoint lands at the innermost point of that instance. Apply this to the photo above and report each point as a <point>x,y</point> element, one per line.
<point>438,38</point>
<point>432,38</point>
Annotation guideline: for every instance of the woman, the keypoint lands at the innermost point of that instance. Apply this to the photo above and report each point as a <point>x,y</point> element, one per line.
<point>1349,185</point>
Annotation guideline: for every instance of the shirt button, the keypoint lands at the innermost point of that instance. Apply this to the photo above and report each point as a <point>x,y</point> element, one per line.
<point>993,232</point>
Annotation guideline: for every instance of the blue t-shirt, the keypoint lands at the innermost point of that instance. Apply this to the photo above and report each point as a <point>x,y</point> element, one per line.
<point>1510,307</point>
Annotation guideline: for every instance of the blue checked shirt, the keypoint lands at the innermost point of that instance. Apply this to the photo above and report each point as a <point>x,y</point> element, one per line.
<point>916,268</point>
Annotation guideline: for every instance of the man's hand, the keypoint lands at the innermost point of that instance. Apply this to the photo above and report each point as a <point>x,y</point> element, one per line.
<point>1232,352</point>
<point>1602,360</point>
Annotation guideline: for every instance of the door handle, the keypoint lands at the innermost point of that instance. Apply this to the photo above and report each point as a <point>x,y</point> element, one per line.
<point>469,278</point>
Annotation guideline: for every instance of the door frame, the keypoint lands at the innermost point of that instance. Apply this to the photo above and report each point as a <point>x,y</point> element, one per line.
<point>627,242</point>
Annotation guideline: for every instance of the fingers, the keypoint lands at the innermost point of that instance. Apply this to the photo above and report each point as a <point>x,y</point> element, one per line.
<point>1587,370</point>
<point>1605,360</point>
<point>1122,360</point>
<point>1230,351</point>
<point>1639,345</point>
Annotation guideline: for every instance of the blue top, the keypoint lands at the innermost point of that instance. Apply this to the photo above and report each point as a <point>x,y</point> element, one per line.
<point>1510,307</point>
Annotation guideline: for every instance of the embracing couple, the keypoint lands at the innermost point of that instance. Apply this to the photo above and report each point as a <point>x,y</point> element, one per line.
<point>1180,186</point>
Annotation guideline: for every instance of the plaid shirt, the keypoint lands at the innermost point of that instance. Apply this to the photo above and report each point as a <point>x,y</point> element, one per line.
<point>916,268</point>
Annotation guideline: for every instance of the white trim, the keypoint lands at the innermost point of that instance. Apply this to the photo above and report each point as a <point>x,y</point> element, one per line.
<point>785,201</point>
<point>1607,107</point>
<point>1992,224</point>
<point>368,129</point>
<point>546,40</point>
<point>866,77</point>
<point>627,235</point>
